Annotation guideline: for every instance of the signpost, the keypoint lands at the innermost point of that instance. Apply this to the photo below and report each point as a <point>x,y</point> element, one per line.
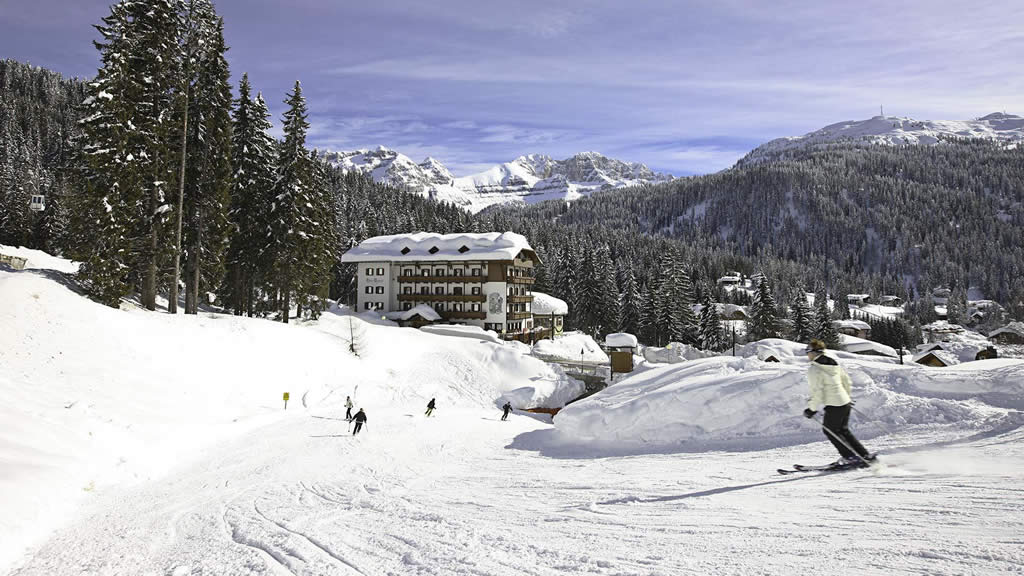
<point>286,396</point>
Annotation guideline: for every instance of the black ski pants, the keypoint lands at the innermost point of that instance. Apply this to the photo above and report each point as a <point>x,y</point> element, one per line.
<point>348,413</point>
<point>359,426</point>
<point>837,420</point>
<point>505,415</point>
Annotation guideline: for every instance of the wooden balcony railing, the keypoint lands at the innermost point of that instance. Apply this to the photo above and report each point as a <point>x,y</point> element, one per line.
<point>463,315</point>
<point>442,298</point>
<point>520,280</point>
<point>513,316</point>
<point>444,279</point>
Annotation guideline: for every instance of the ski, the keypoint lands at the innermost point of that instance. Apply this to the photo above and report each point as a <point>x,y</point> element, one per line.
<point>797,468</point>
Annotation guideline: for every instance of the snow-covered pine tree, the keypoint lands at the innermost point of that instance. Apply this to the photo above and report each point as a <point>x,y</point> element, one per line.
<point>843,303</point>
<point>710,335</point>
<point>253,161</point>
<point>208,174</point>
<point>630,304</point>
<point>291,215</point>
<point>825,330</point>
<point>763,322</point>
<point>801,317</point>
<point>956,306</point>
<point>607,313</point>
<point>647,327</point>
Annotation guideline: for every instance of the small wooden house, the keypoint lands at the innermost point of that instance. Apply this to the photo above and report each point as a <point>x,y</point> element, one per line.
<point>621,348</point>
<point>987,354</point>
<point>935,359</point>
<point>858,328</point>
<point>1012,333</point>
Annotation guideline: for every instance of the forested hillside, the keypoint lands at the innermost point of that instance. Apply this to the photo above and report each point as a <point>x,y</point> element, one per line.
<point>897,220</point>
<point>38,118</point>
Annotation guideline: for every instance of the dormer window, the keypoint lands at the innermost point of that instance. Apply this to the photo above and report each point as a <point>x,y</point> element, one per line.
<point>434,250</point>
<point>405,251</point>
<point>464,249</point>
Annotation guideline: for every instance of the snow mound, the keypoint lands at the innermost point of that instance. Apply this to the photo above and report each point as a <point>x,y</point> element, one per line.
<point>545,304</point>
<point>745,403</point>
<point>674,353</point>
<point>568,348</point>
<point>460,331</point>
<point>621,340</point>
<point>39,260</point>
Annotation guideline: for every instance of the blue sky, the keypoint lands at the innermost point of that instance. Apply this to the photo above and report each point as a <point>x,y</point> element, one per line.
<point>685,87</point>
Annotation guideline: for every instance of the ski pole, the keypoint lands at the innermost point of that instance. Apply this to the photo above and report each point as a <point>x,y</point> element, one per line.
<point>873,421</point>
<point>841,441</point>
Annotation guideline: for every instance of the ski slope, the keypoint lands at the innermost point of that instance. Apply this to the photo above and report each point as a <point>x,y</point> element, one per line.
<point>114,460</point>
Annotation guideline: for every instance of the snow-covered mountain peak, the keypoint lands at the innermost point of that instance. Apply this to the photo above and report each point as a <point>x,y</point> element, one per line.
<point>898,130</point>
<point>527,179</point>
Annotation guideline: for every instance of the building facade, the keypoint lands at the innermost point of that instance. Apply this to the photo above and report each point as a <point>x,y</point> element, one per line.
<point>483,280</point>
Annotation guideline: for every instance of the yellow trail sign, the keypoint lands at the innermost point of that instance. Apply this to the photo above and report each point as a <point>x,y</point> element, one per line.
<point>286,396</point>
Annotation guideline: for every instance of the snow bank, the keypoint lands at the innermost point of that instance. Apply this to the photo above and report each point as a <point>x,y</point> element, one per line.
<point>96,396</point>
<point>621,340</point>
<point>568,347</point>
<point>674,353</point>
<point>38,260</point>
<point>856,345</point>
<point>545,304</point>
<point>744,403</point>
<point>459,331</point>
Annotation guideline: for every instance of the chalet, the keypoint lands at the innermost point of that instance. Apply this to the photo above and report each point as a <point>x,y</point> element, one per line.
<point>890,300</point>
<point>940,330</point>
<point>482,280</point>
<point>858,299</point>
<point>549,315</point>
<point>929,347</point>
<point>935,358</point>
<point>987,354</point>
<point>731,279</point>
<point>855,345</point>
<point>858,328</point>
<point>1012,333</point>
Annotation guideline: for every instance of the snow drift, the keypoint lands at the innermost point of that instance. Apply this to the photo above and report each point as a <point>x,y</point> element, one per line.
<point>746,403</point>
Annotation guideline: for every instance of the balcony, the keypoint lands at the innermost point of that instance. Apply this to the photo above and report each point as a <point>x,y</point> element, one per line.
<point>520,280</point>
<point>520,299</point>
<point>513,316</point>
<point>442,298</point>
<point>444,279</point>
<point>463,315</point>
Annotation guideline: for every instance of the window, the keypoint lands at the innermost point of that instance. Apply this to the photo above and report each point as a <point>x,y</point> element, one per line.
<point>366,305</point>
<point>406,289</point>
<point>380,271</point>
<point>378,306</point>
<point>380,289</point>
<point>464,249</point>
<point>457,307</point>
<point>457,291</point>
<point>475,272</point>
<point>407,306</point>
<point>425,272</point>
<point>407,272</point>
<point>439,290</point>
<point>424,290</point>
<point>457,272</point>
<point>439,306</point>
<point>405,251</point>
<point>476,290</point>
<point>369,289</point>
<point>369,271</point>
<point>434,250</point>
<point>476,307</point>
<point>439,272</point>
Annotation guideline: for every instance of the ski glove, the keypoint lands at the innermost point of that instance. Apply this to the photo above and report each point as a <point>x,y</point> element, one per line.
<point>808,413</point>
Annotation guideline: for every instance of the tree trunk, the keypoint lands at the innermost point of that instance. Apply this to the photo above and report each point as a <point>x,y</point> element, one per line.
<point>192,282</point>
<point>285,301</point>
<point>172,305</point>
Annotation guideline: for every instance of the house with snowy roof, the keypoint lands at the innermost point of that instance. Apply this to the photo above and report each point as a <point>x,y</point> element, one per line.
<point>1012,333</point>
<point>935,358</point>
<point>549,315</point>
<point>482,280</point>
<point>858,328</point>
<point>858,299</point>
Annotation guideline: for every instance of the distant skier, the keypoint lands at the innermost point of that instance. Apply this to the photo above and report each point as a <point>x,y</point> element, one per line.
<point>348,408</point>
<point>507,408</point>
<point>430,407</point>
<point>360,418</point>
<point>830,385</point>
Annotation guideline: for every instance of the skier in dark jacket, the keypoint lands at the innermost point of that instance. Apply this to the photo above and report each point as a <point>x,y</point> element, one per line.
<point>430,407</point>
<point>507,408</point>
<point>830,385</point>
<point>360,418</point>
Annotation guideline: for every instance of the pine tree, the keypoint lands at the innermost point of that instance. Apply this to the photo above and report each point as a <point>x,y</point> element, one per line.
<point>825,330</point>
<point>763,321</point>
<point>291,213</point>
<point>630,305</point>
<point>710,334</point>
<point>801,318</point>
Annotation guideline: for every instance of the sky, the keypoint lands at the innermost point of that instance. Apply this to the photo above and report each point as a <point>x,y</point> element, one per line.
<point>684,87</point>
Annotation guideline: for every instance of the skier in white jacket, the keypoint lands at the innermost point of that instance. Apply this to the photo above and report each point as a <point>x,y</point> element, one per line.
<point>830,385</point>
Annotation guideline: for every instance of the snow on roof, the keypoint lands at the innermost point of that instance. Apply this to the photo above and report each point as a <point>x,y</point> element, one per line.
<point>545,304</point>
<point>857,296</point>
<point>945,357</point>
<point>1011,328</point>
<point>424,310</point>
<point>942,326</point>
<point>853,324</point>
<point>621,340</point>
<point>856,345</point>
<point>427,246</point>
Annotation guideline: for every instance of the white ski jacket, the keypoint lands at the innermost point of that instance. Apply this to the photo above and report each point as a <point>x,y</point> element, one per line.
<point>829,383</point>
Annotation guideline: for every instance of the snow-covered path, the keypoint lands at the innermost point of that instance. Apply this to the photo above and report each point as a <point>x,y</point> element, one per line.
<point>447,496</point>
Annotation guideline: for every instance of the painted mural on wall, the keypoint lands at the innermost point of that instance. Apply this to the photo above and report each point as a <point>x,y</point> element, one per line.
<point>496,303</point>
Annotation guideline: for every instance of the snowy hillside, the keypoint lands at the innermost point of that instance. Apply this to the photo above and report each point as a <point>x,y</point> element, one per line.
<point>895,130</point>
<point>527,179</point>
<point>98,398</point>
